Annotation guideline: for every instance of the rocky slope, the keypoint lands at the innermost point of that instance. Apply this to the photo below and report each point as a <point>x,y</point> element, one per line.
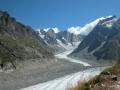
<point>19,42</point>
<point>102,42</point>
<point>64,40</point>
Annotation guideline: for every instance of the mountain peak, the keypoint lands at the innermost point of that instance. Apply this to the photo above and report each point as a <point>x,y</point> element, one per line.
<point>102,42</point>
<point>106,17</point>
<point>108,21</point>
<point>56,30</point>
<point>4,13</point>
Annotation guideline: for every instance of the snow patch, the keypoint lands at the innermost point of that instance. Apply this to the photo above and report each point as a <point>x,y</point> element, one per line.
<point>110,23</point>
<point>74,30</point>
<point>61,44</point>
<point>46,29</point>
<point>64,56</point>
<point>42,36</point>
<point>56,30</point>
<point>38,30</point>
<point>67,46</point>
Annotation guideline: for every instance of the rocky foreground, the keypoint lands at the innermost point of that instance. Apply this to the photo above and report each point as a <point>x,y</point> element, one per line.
<point>35,73</point>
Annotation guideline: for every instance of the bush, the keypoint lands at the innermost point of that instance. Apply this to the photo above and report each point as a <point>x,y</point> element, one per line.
<point>108,71</point>
<point>118,60</point>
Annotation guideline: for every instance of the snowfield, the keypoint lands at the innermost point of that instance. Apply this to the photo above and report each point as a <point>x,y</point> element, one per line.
<point>64,56</point>
<point>68,81</point>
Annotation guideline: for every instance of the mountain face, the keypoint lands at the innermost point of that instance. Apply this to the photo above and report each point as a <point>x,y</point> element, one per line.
<point>60,40</point>
<point>64,40</point>
<point>103,42</point>
<point>19,42</point>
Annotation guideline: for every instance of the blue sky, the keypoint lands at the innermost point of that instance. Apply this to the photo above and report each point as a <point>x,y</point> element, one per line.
<point>59,13</point>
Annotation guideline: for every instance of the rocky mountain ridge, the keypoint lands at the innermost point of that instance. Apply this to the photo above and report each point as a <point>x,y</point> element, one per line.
<point>19,42</point>
<point>60,41</point>
<point>102,42</point>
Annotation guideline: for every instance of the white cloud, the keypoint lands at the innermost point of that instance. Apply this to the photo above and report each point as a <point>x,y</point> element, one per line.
<point>88,27</point>
<point>74,30</point>
<point>85,30</point>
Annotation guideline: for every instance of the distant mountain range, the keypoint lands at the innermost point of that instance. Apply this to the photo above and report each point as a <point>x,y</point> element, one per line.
<point>103,42</point>
<point>65,40</point>
<point>58,40</point>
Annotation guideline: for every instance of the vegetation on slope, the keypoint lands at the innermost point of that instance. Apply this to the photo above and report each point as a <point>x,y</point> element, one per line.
<point>109,79</point>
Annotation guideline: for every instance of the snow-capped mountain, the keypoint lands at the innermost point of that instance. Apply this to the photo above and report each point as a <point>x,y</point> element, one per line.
<point>64,40</point>
<point>85,30</point>
<point>59,40</point>
<point>102,42</point>
<point>56,30</point>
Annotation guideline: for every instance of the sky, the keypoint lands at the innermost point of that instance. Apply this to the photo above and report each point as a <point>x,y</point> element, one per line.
<point>59,13</point>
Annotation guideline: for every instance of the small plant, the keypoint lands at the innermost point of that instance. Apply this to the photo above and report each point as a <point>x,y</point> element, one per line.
<point>87,85</point>
<point>108,71</point>
<point>115,69</point>
<point>118,60</point>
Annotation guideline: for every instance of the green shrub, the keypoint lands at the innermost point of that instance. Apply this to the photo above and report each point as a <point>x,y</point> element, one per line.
<point>109,70</point>
<point>118,60</point>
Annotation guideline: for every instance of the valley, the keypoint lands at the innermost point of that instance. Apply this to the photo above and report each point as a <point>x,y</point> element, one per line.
<point>52,59</point>
<point>66,81</point>
<point>34,72</point>
<point>64,56</point>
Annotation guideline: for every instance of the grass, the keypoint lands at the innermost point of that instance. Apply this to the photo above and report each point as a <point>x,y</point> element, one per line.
<point>115,70</point>
<point>87,85</point>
